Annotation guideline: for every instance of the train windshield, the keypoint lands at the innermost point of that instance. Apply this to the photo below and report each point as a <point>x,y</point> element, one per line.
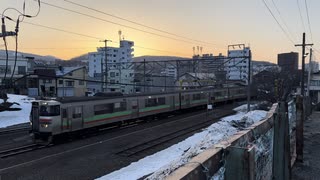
<point>50,110</point>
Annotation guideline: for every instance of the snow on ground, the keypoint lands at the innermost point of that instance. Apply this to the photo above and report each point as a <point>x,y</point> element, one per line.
<point>9,118</point>
<point>161,164</point>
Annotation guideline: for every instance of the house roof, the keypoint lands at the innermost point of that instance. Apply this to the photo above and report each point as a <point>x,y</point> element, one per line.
<point>201,75</point>
<point>66,70</point>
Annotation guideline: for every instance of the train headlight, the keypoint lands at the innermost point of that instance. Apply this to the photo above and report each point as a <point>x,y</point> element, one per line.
<point>44,125</point>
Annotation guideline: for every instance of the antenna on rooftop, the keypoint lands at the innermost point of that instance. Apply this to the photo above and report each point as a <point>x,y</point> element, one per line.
<point>119,33</point>
<point>194,50</point>
<point>200,51</point>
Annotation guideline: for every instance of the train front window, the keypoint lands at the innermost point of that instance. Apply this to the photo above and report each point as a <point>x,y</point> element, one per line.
<point>50,110</point>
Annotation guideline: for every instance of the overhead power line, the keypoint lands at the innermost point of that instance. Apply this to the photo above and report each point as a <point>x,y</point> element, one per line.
<point>137,23</point>
<point>61,30</point>
<point>92,37</point>
<point>309,24</point>
<point>304,28</point>
<point>283,30</point>
<point>282,19</point>
<point>115,23</point>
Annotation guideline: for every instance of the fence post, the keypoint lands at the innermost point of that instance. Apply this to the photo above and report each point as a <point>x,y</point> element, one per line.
<point>299,127</point>
<point>240,163</point>
<point>281,168</point>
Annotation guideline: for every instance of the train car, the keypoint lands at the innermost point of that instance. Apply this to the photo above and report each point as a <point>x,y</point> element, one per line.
<point>64,115</point>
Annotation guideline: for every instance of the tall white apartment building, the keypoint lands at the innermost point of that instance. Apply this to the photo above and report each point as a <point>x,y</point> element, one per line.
<point>237,64</point>
<point>120,70</point>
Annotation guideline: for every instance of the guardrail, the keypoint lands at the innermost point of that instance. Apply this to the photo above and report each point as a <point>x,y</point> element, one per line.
<point>265,150</point>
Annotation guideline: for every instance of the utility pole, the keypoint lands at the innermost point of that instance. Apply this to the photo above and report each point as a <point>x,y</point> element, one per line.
<point>105,81</point>
<point>249,82</point>
<point>144,75</point>
<point>303,60</point>
<point>309,73</point>
<point>4,33</point>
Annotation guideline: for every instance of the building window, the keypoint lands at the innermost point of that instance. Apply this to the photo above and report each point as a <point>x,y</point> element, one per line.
<point>117,74</point>
<point>21,70</point>
<point>81,82</point>
<point>60,81</point>
<point>69,83</point>
<point>114,55</point>
<point>112,74</point>
<point>3,69</point>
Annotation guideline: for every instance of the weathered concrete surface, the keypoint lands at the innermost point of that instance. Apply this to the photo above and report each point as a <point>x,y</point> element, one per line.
<point>310,168</point>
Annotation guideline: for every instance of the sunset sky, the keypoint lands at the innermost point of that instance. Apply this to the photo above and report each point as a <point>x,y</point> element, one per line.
<point>218,23</point>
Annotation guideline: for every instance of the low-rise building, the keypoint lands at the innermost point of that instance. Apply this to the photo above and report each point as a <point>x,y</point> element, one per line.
<point>71,81</point>
<point>15,68</point>
<point>196,80</point>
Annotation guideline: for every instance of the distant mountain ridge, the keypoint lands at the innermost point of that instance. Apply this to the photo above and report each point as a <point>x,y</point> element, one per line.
<point>22,54</point>
<point>158,58</point>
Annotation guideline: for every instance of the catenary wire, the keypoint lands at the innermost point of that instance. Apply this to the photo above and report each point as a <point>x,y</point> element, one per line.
<point>115,23</point>
<point>83,35</point>
<point>137,23</point>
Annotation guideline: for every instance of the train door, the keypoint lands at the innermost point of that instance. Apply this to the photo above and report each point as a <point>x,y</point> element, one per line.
<point>65,120</point>
<point>172,102</point>
<point>187,99</point>
<point>135,108</point>
<point>77,115</point>
<point>35,116</point>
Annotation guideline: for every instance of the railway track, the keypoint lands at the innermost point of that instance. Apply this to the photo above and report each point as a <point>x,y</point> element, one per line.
<point>15,129</point>
<point>20,150</point>
<point>148,145</point>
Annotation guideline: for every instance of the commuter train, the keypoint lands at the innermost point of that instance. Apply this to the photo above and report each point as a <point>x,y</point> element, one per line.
<point>70,114</point>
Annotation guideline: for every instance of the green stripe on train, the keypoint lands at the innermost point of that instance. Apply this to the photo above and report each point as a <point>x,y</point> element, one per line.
<point>110,115</point>
<point>153,108</point>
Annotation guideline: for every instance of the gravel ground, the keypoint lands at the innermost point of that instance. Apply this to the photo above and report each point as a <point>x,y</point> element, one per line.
<point>310,168</point>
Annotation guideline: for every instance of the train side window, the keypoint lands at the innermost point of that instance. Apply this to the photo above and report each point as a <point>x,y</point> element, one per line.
<point>218,93</point>
<point>161,101</point>
<point>150,102</point>
<point>120,106</point>
<point>134,104</point>
<point>182,98</point>
<point>77,112</point>
<point>196,96</point>
<point>103,109</point>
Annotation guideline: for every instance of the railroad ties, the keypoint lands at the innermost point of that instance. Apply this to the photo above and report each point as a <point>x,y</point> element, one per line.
<point>144,147</point>
<point>20,150</point>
